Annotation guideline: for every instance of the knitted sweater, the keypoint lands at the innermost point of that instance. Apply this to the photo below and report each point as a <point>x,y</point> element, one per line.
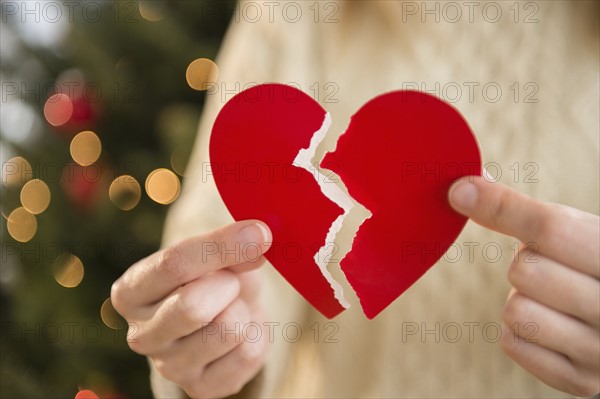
<point>524,75</point>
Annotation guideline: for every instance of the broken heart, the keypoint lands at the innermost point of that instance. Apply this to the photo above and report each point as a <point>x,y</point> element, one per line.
<point>398,157</point>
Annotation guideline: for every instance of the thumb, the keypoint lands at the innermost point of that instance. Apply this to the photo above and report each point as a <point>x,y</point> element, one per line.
<point>498,207</point>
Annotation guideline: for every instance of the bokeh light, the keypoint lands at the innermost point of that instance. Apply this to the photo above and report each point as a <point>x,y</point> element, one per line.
<point>58,109</point>
<point>86,148</point>
<point>35,196</point>
<point>152,11</point>
<point>162,185</point>
<point>201,74</point>
<point>68,270</point>
<point>16,171</point>
<point>20,123</point>
<point>125,192</point>
<point>109,315</point>
<point>21,225</point>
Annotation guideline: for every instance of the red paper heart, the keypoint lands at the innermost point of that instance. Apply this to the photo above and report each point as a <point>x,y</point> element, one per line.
<point>398,158</point>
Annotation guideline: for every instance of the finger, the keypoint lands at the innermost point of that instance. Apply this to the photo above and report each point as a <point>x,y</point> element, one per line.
<point>251,287</point>
<point>564,234</point>
<point>553,330</point>
<point>185,361</point>
<point>188,309</point>
<point>556,286</point>
<point>228,375</point>
<point>153,278</point>
<point>550,367</point>
<point>496,206</point>
<point>248,266</point>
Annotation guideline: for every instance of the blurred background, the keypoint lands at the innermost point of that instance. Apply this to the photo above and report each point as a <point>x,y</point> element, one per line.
<point>100,104</point>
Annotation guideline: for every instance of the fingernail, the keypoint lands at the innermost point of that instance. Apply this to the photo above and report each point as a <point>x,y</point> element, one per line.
<point>253,234</point>
<point>463,194</point>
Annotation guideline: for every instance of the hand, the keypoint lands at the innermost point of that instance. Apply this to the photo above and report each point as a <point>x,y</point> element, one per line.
<point>555,279</point>
<point>187,306</point>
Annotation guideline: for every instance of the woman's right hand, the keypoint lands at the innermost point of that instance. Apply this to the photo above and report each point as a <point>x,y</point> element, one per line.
<point>188,307</point>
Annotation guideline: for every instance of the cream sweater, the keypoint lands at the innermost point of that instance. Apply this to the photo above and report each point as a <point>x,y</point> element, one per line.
<point>530,92</point>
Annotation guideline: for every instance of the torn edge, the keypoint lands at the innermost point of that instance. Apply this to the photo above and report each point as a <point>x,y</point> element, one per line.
<point>304,160</point>
<point>358,208</point>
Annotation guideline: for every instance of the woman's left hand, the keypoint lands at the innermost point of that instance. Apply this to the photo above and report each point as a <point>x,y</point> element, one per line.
<point>552,315</point>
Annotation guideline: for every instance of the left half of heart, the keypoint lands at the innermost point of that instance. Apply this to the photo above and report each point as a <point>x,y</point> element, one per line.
<point>255,142</point>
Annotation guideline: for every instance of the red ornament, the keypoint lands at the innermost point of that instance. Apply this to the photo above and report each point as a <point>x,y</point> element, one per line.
<point>84,185</point>
<point>83,114</point>
<point>398,158</point>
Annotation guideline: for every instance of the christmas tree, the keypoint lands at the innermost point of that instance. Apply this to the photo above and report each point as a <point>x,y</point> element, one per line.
<point>100,104</point>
